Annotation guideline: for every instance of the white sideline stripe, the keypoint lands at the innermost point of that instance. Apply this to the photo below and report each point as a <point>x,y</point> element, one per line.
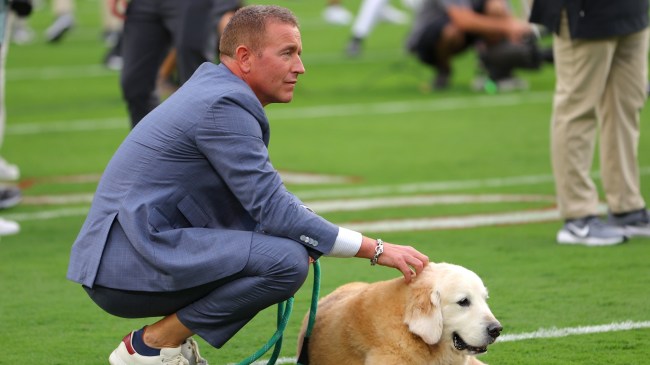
<point>289,177</point>
<point>324,111</point>
<point>439,186</point>
<point>397,107</point>
<point>338,205</point>
<point>419,200</point>
<point>571,331</point>
<point>426,187</point>
<point>98,70</point>
<point>61,72</point>
<point>539,334</point>
<point>46,215</point>
<point>470,221</point>
<point>398,225</point>
<point>70,126</point>
<point>392,225</point>
<point>57,199</point>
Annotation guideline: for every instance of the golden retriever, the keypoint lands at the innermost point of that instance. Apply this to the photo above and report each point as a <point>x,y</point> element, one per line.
<point>440,318</point>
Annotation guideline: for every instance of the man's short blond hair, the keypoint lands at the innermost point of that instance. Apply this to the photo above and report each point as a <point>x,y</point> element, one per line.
<point>248,27</point>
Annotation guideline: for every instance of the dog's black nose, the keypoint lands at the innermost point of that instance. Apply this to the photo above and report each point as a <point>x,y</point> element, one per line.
<point>494,329</point>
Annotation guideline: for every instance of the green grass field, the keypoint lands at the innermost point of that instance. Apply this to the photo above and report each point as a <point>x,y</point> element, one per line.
<point>372,121</point>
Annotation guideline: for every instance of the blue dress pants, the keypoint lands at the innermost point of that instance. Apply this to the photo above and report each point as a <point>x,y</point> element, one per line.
<point>215,311</point>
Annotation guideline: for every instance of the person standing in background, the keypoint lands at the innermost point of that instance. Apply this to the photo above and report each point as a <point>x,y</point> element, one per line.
<point>151,29</point>
<point>601,65</point>
<point>9,195</point>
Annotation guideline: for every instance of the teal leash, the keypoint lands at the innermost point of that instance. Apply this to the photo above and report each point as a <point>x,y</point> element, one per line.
<point>284,312</point>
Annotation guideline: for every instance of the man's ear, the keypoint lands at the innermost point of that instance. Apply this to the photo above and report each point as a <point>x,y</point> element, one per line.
<point>423,313</point>
<point>243,57</point>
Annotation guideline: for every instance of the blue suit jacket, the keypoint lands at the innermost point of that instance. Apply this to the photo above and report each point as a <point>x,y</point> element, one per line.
<point>187,191</point>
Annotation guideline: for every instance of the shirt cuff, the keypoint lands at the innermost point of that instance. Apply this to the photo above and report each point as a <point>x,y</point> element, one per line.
<point>347,243</point>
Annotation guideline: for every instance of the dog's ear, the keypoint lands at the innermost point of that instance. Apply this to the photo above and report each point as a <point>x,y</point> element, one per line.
<point>423,313</point>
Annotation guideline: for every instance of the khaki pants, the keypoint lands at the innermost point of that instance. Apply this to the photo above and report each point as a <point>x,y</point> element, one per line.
<point>601,86</point>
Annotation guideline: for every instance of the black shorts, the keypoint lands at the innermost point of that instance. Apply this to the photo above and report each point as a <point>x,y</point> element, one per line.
<point>425,48</point>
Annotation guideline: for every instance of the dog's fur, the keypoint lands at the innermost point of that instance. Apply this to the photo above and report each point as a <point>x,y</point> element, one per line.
<point>390,322</point>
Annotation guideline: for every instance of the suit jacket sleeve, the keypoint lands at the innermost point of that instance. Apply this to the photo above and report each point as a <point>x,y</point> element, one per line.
<point>234,136</point>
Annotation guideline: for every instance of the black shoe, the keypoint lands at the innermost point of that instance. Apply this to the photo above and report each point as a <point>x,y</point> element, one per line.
<point>442,80</point>
<point>635,223</point>
<point>9,196</point>
<point>354,47</point>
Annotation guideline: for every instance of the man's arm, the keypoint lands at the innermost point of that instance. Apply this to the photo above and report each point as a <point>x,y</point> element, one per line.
<point>467,20</point>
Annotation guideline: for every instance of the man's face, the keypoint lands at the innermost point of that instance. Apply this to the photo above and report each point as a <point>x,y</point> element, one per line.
<point>274,72</point>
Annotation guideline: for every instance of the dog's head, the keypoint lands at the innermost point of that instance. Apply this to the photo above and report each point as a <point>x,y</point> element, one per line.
<point>448,305</point>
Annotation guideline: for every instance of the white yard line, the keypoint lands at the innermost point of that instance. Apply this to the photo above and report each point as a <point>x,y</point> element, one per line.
<point>539,334</point>
<point>341,205</point>
<point>572,331</point>
<point>422,187</point>
<point>433,186</point>
<point>480,220</point>
<point>310,112</point>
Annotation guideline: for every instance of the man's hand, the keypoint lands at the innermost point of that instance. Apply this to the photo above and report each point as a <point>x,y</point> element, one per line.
<point>406,259</point>
<point>518,29</point>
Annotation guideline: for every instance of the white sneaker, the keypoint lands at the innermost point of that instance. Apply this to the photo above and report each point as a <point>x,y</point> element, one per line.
<point>190,351</point>
<point>22,33</point>
<point>8,227</point>
<point>337,15</point>
<point>125,354</point>
<point>590,231</point>
<point>8,172</point>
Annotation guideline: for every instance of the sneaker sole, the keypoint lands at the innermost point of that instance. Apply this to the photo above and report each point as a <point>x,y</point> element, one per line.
<point>565,238</point>
<point>634,231</point>
<point>115,359</point>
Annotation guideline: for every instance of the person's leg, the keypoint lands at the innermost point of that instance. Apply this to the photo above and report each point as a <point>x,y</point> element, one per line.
<point>145,44</point>
<point>195,37</point>
<point>364,22</point>
<point>581,68</point>
<point>276,269</point>
<point>451,42</point>
<point>8,171</point>
<point>64,21</point>
<point>625,95</point>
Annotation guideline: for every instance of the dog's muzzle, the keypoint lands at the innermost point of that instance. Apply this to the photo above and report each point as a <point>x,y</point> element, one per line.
<point>493,331</point>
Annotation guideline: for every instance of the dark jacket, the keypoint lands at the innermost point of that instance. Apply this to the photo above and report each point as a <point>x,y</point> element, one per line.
<point>590,19</point>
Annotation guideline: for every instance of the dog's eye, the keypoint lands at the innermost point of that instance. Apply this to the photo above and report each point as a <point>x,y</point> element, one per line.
<point>464,302</point>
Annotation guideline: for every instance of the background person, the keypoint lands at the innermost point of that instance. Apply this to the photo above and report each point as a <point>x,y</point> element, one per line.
<point>151,29</point>
<point>601,66</point>
<point>445,28</point>
<point>9,195</point>
<point>191,221</point>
